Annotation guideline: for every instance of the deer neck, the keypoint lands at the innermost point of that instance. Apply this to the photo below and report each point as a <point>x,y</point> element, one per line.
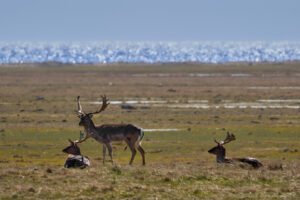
<point>221,157</point>
<point>90,128</point>
<point>92,131</point>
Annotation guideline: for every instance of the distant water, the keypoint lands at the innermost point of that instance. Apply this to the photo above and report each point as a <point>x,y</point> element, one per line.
<point>148,52</point>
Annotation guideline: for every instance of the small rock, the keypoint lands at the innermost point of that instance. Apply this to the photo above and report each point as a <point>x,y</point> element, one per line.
<point>259,117</point>
<point>129,107</point>
<point>287,149</point>
<point>39,110</point>
<point>64,120</point>
<point>49,170</point>
<point>145,107</point>
<point>171,90</point>
<point>38,98</point>
<point>167,179</point>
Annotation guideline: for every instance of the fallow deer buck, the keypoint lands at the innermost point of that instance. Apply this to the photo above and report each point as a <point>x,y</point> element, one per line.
<point>220,153</point>
<point>108,133</point>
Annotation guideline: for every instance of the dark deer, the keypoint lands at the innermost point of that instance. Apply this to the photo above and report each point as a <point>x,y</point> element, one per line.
<point>75,159</point>
<point>108,133</point>
<point>220,153</point>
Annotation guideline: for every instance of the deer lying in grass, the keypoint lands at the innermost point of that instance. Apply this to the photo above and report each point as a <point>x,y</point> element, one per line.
<point>75,159</point>
<point>108,133</point>
<point>220,153</point>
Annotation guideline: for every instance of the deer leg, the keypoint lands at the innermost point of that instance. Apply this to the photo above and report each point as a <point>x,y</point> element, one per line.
<point>133,151</point>
<point>110,152</point>
<point>104,154</point>
<point>141,150</point>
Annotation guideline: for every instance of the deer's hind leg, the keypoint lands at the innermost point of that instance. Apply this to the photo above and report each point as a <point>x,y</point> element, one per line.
<point>131,143</point>
<point>104,153</point>
<point>141,150</point>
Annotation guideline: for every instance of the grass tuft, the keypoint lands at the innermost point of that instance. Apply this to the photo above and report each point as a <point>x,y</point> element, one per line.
<point>116,170</point>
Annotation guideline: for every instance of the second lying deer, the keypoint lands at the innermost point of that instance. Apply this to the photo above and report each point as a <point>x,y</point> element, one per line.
<point>220,153</point>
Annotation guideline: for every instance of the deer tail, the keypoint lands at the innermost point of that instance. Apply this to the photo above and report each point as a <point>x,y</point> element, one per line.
<point>140,137</point>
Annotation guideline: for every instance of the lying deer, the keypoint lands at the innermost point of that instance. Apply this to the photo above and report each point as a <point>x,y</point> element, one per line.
<point>108,133</point>
<point>220,151</point>
<point>75,159</point>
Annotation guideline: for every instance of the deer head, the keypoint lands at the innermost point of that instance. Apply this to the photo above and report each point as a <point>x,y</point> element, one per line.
<point>219,150</point>
<point>85,118</point>
<point>72,149</point>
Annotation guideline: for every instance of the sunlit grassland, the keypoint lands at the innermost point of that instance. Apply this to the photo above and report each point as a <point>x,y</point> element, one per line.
<point>178,166</point>
<point>43,145</point>
<point>34,130</point>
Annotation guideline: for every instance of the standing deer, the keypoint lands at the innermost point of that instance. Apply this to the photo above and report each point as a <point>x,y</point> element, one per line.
<point>108,133</point>
<point>220,153</point>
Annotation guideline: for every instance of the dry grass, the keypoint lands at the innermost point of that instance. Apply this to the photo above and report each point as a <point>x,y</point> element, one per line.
<point>38,106</point>
<point>162,181</point>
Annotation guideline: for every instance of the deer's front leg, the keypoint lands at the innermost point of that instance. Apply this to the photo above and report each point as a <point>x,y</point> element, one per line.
<point>108,145</point>
<point>104,154</point>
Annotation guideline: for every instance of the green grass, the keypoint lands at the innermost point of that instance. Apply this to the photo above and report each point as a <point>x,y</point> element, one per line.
<point>178,166</point>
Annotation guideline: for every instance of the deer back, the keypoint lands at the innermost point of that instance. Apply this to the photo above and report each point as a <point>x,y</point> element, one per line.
<point>116,132</point>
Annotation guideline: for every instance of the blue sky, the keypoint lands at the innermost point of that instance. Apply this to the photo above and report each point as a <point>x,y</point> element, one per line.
<point>151,20</point>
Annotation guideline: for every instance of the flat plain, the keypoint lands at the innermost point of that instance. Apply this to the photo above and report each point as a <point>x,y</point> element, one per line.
<point>259,103</point>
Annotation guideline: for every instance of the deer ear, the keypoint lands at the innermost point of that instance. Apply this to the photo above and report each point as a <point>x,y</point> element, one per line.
<point>91,115</point>
<point>70,141</point>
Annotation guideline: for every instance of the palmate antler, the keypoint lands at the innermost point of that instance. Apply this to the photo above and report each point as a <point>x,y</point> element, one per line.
<point>80,111</point>
<point>229,138</point>
<point>104,105</point>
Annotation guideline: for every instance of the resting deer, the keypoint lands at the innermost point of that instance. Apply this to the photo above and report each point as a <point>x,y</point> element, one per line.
<point>220,152</point>
<point>75,159</point>
<point>108,133</point>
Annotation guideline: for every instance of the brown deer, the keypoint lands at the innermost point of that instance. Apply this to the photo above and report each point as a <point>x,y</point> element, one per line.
<point>220,153</point>
<point>108,133</point>
<point>75,159</point>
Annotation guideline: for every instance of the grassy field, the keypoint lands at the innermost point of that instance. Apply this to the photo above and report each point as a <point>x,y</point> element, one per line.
<point>38,115</point>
